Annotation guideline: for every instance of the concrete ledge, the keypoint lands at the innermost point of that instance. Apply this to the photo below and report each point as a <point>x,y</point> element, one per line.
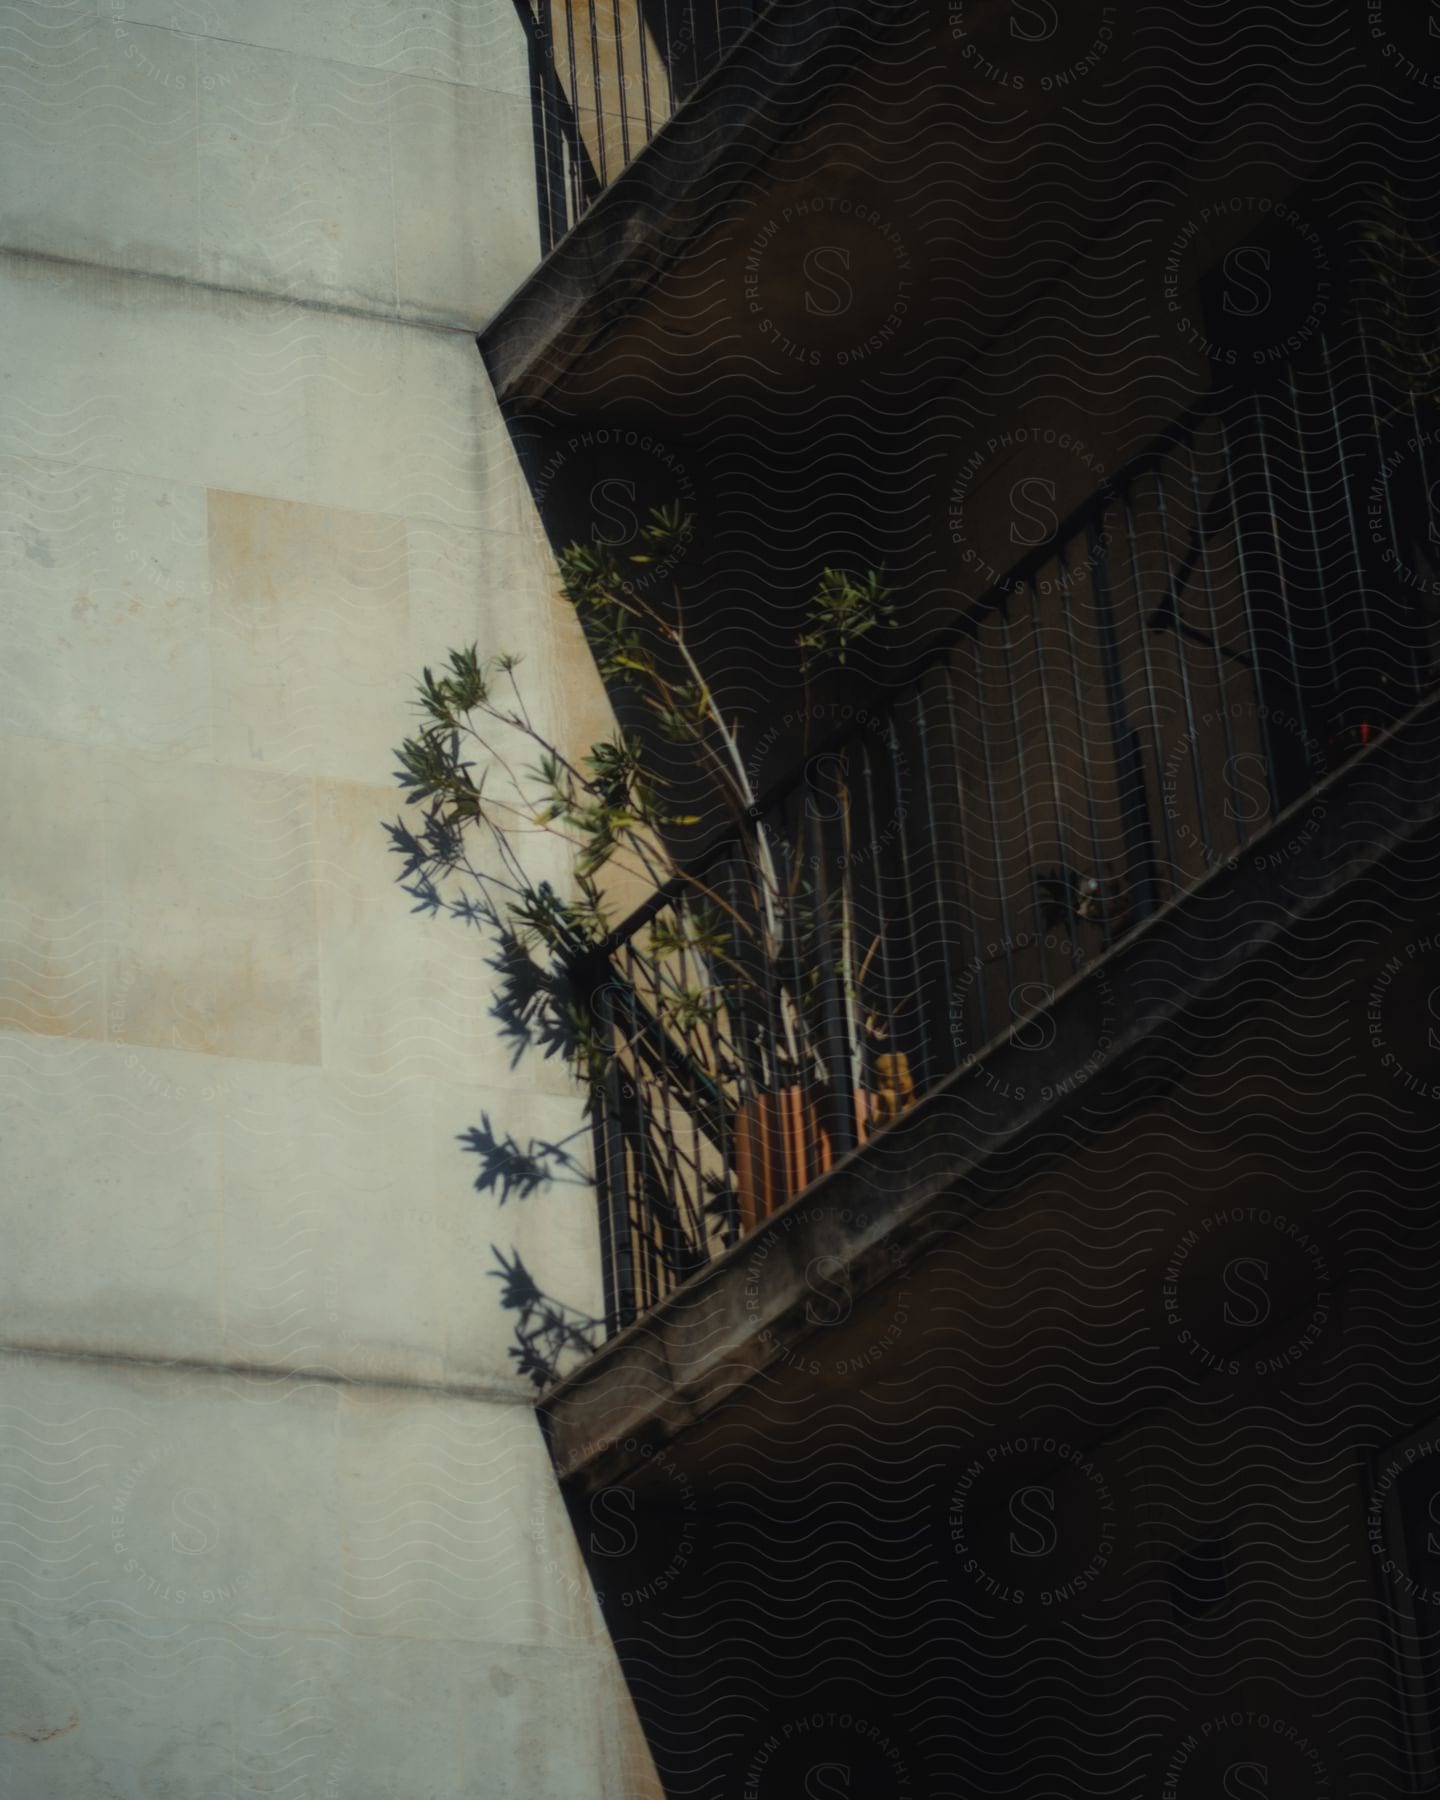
<point>903,1193</point>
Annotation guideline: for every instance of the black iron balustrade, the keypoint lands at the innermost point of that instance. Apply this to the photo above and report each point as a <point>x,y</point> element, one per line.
<point>605,77</point>
<point>1214,630</point>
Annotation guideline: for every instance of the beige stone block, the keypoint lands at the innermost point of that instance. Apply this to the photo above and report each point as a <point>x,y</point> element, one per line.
<point>295,177</point>
<point>310,632</point>
<point>466,229</point>
<point>97,139</point>
<point>154,381</point>
<point>513,1748</point>
<point>404,422</point>
<point>111,1180</point>
<point>229,1506</point>
<point>211,894</point>
<point>405,995</point>
<point>179,1501</point>
<point>555,1229</point>
<point>430,1718</point>
<point>333,1239</point>
<point>52,920</point>
<point>258,1586</point>
<point>455,1528</point>
<point>253,396</point>
<point>363,1718</point>
<point>103,607</point>
<point>500,591</point>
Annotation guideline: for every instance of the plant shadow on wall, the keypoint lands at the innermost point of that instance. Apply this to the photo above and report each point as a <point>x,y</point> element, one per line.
<point>712,987</point>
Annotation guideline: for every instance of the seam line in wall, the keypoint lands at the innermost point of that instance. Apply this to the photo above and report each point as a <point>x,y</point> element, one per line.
<point>194,1365</point>
<point>330,62</point>
<point>187,283</point>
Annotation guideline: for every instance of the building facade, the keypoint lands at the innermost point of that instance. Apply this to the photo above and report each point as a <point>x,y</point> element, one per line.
<point>1044,1397</point>
<point>277,1516</point>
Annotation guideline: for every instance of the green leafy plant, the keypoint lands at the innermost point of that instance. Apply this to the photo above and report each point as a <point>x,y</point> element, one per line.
<point>490,783</point>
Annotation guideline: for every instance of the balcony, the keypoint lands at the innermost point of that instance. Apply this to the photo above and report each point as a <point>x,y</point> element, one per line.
<point>1123,719</point>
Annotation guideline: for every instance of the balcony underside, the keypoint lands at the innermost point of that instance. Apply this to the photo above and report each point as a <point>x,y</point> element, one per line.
<point>643,222</point>
<point>967,1208</point>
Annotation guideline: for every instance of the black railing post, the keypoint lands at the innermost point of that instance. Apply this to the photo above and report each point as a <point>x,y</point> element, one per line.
<point>549,158</point>
<point>1135,827</point>
<point>837,1101</point>
<point>612,1184</point>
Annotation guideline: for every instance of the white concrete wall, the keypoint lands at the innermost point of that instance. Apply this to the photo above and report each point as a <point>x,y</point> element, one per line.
<point>274,1512</point>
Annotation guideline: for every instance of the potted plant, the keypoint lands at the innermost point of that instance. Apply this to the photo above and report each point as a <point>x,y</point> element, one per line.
<point>727,954</point>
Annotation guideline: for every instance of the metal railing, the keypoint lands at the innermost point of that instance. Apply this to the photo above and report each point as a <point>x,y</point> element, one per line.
<point>1200,644</point>
<point>606,76</point>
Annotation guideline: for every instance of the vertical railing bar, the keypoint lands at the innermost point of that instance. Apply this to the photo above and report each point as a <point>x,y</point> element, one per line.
<point>724,1121</point>
<point>967,869</point>
<point>620,82</point>
<point>1227,462</point>
<point>1381,459</point>
<point>842,1078</point>
<point>543,127</point>
<point>1425,638</point>
<point>1062,557</point>
<point>775,997</point>
<point>928,785</point>
<point>747,1090</point>
<point>921,1035</point>
<point>1214,614</point>
<point>644,68</point>
<point>600,1121</point>
<point>667,1149</point>
<point>577,174</point>
<point>1192,729</point>
<point>789,863</point>
<point>575,201</point>
<point>854,1027</point>
<point>774,1006</point>
<point>1151,685</point>
<point>1296,666</point>
<point>653,1266</point>
<point>1130,794</point>
<point>669,63</point>
<point>1061,834</point>
<point>621,1295</point>
<point>1022,772</point>
<point>595,84</point>
<point>882,920</point>
<point>1342,461</point>
<point>1323,588</point>
<point>993,802</point>
<point>692,1213</point>
<point>694,1049</point>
